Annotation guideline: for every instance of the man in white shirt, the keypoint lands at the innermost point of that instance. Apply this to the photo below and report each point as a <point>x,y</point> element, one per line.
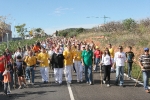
<point>119,60</point>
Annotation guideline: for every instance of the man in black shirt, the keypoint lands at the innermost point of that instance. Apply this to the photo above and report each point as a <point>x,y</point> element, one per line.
<point>57,61</point>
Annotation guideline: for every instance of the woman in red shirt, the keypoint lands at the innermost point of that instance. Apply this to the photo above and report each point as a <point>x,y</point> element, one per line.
<point>2,67</point>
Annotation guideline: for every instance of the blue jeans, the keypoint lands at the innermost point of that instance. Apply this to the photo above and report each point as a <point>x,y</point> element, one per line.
<point>146,75</point>
<point>88,73</point>
<point>97,61</point>
<point>120,74</point>
<point>129,68</point>
<point>28,70</point>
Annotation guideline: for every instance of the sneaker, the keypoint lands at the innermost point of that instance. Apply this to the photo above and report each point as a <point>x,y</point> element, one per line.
<point>8,92</point>
<point>104,81</point>
<point>147,91</point>
<point>25,85</point>
<point>60,83</point>
<point>121,85</point>
<point>78,81</point>
<point>56,81</point>
<point>108,85</point>
<point>20,87</point>
<point>29,81</point>
<point>69,82</point>
<point>90,83</point>
<point>87,82</point>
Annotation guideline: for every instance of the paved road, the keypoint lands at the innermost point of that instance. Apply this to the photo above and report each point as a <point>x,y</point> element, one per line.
<point>80,91</point>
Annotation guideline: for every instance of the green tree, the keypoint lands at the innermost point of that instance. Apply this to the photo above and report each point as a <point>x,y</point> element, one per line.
<point>21,30</point>
<point>129,24</point>
<point>80,30</point>
<point>38,30</point>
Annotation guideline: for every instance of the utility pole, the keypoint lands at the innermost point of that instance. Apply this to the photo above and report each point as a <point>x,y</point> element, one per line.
<point>105,19</point>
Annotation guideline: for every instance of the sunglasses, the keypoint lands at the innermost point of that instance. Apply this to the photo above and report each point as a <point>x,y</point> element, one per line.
<point>146,50</point>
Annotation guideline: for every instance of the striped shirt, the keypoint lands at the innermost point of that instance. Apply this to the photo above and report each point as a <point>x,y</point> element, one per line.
<point>145,61</point>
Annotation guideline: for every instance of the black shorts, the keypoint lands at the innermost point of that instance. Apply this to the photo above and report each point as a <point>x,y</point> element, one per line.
<point>20,73</point>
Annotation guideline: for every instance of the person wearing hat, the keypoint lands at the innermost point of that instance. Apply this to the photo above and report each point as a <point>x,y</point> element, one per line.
<point>144,62</point>
<point>43,58</point>
<point>119,61</point>
<point>98,56</point>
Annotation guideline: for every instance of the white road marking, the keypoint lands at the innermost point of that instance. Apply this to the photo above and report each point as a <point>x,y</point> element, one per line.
<point>70,91</point>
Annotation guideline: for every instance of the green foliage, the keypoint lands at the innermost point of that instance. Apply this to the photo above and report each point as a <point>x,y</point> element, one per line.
<point>21,30</point>
<point>129,24</point>
<point>38,30</point>
<point>71,32</point>
<point>20,43</point>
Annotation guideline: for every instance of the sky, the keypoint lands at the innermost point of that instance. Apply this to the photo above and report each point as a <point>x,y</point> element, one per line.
<point>52,15</point>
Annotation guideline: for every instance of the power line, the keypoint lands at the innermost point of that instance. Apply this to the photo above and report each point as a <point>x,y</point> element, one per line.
<point>105,18</point>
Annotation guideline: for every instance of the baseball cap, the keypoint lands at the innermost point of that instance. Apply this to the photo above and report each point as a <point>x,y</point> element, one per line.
<point>146,49</point>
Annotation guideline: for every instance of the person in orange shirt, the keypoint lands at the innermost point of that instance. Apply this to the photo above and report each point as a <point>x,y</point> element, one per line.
<point>36,48</point>
<point>7,80</point>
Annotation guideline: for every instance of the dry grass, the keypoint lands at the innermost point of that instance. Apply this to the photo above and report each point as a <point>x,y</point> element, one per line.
<point>137,40</point>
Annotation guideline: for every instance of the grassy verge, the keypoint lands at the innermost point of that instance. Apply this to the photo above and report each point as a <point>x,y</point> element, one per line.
<point>137,40</point>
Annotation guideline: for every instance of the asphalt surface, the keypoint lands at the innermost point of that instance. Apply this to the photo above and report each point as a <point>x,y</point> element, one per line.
<point>80,91</point>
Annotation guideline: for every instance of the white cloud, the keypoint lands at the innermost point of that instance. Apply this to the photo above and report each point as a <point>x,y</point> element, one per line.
<point>51,30</point>
<point>60,10</point>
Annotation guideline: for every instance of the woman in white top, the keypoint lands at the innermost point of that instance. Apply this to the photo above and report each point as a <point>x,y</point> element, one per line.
<point>106,62</point>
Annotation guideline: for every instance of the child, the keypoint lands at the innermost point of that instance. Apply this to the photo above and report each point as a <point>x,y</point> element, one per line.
<point>19,65</point>
<point>7,80</point>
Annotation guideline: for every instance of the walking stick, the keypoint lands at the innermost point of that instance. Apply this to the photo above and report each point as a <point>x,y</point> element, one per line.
<point>101,74</point>
<point>137,79</point>
<point>92,72</point>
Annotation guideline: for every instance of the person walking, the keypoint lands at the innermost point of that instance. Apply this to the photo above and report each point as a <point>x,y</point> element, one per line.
<point>119,61</point>
<point>68,63</point>
<point>98,56</point>
<point>77,62</point>
<point>87,56</point>
<point>19,66</point>
<point>43,58</point>
<point>7,80</point>
<point>31,66</point>
<point>130,59</point>
<point>111,50</point>
<point>57,62</point>
<point>144,62</point>
<point>106,62</point>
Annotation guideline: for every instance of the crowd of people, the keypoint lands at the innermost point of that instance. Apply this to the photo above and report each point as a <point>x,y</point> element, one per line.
<point>64,55</point>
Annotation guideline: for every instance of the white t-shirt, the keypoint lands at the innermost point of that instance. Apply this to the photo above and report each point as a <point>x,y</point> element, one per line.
<point>120,58</point>
<point>106,59</point>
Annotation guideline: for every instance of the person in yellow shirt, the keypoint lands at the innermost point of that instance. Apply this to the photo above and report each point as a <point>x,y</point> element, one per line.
<point>77,62</point>
<point>43,58</point>
<point>73,48</point>
<point>111,50</point>
<point>31,66</point>
<point>68,63</point>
